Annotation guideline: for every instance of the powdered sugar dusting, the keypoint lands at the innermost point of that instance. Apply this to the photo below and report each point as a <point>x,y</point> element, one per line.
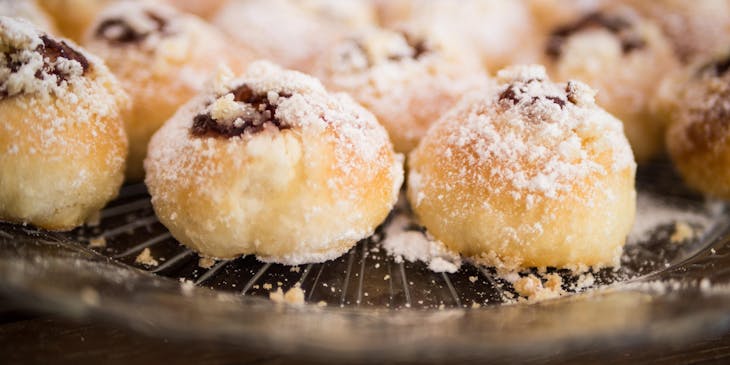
<point>29,10</point>
<point>25,69</point>
<point>144,41</point>
<point>89,88</point>
<point>413,245</point>
<point>408,77</point>
<point>326,141</point>
<point>546,124</point>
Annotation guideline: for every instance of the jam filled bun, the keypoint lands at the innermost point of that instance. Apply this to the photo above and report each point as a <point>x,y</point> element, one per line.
<point>499,30</point>
<point>527,173</point>
<point>204,9</point>
<point>624,57</point>
<point>698,29</point>
<point>162,58</point>
<point>62,140</point>
<point>549,14</point>
<point>290,33</point>
<point>272,164</point>
<point>698,139</point>
<point>28,10</point>
<point>73,17</point>
<point>406,78</point>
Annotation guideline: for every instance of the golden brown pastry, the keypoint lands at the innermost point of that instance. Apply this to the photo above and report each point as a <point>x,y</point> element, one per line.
<point>698,139</point>
<point>73,17</point>
<point>202,8</point>
<point>30,11</point>
<point>526,173</point>
<point>62,141</point>
<point>624,57</point>
<point>501,31</point>
<point>290,33</point>
<point>272,164</point>
<point>696,28</point>
<point>406,78</point>
<point>162,57</point>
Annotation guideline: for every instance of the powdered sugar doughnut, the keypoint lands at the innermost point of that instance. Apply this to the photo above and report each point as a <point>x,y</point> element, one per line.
<point>697,28</point>
<point>28,10</point>
<point>549,14</point>
<point>698,139</point>
<point>73,17</point>
<point>407,78</point>
<point>283,31</point>
<point>351,14</point>
<point>204,9</point>
<point>272,164</point>
<point>162,57</point>
<point>62,141</point>
<point>624,57</point>
<point>499,30</point>
<point>529,173</point>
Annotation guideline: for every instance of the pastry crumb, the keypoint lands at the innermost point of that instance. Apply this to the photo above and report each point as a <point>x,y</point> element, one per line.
<point>528,286</point>
<point>533,289</point>
<point>682,233</point>
<point>97,242</point>
<point>294,269</point>
<point>473,279</point>
<point>294,296</point>
<point>268,286</point>
<point>145,258</point>
<point>206,262</point>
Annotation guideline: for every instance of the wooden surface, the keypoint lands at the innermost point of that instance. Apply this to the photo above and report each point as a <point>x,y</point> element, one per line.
<point>27,338</point>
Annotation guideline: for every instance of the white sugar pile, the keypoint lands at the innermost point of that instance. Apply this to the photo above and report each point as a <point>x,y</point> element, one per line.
<point>413,246</point>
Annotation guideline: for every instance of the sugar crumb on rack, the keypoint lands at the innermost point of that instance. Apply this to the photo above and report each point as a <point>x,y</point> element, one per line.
<point>294,296</point>
<point>145,258</point>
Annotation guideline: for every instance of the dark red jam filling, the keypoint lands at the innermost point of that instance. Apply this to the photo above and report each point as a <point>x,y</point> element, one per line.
<point>265,114</point>
<point>716,68</point>
<point>419,47</point>
<point>117,30</point>
<point>51,50</point>
<point>630,41</point>
<point>510,94</point>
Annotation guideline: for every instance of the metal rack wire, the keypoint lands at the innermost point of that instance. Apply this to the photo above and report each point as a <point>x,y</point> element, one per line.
<point>366,276</point>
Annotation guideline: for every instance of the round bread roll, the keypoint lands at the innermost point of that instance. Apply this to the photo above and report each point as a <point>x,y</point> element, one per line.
<point>406,78</point>
<point>205,9</point>
<point>290,33</point>
<point>527,173</point>
<point>62,141</point>
<point>162,58</point>
<point>500,31</point>
<point>272,164</point>
<point>625,58</point>
<point>349,14</point>
<point>549,14</point>
<point>30,11</point>
<point>698,139</point>
<point>698,29</point>
<point>73,17</point>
